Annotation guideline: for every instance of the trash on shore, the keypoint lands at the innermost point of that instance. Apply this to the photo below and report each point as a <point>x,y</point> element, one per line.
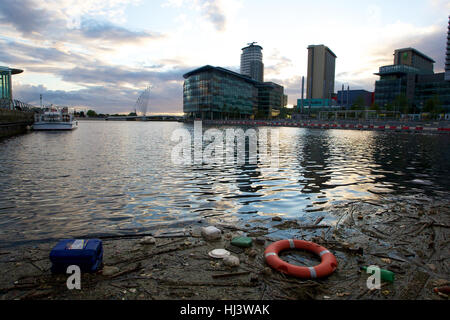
<point>86,254</point>
<point>243,242</point>
<point>211,233</point>
<point>385,275</point>
<point>219,253</point>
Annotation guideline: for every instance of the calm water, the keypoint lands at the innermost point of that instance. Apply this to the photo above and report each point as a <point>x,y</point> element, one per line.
<point>117,177</point>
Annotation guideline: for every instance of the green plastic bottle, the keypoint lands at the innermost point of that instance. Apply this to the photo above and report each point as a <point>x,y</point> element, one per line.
<point>385,275</point>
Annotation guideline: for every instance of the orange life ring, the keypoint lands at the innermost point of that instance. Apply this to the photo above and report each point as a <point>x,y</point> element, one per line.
<point>325,268</point>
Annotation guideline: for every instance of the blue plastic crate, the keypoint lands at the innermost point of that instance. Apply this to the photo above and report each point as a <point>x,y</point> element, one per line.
<point>84,253</point>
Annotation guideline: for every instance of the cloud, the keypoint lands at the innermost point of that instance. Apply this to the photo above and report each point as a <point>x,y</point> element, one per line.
<point>92,29</point>
<point>211,10</point>
<point>26,16</point>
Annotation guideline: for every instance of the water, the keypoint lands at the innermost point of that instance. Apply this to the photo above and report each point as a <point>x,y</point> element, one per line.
<point>117,178</point>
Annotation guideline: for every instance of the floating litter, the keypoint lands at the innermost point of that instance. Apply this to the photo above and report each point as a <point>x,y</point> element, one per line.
<point>219,253</point>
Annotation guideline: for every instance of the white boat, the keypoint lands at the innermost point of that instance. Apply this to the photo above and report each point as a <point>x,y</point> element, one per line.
<point>55,119</point>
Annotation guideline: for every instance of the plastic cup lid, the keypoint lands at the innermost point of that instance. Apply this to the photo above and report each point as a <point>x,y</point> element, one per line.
<point>219,253</point>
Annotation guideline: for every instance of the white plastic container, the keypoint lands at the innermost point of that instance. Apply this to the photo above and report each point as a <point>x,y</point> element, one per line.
<point>211,233</point>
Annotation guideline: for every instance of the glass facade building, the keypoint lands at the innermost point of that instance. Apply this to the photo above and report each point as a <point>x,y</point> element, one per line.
<point>6,99</point>
<point>217,93</point>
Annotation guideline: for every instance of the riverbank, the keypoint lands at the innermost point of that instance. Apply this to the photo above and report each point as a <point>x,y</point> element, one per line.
<point>408,237</point>
<point>13,122</point>
<point>375,125</point>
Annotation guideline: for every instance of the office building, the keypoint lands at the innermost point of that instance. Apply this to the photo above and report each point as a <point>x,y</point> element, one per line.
<point>411,78</point>
<point>216,93</point>
<point>252,62</point>
<point>321,72</point>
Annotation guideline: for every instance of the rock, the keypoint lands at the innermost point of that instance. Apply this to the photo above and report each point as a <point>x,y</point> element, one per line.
<point>211,233</point>
<point>231,261</point>
<point>432,267</point>
<point>267,271</point>
<point>109,270</point>
<point>147,240</point>
<point>228,236</point>
<point>252,253</point>
<point>276,219</point>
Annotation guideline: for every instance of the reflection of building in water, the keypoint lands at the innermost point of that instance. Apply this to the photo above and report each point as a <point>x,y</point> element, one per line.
<point>313,164</point>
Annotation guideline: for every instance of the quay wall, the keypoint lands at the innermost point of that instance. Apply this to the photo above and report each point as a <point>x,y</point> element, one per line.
<point>13,122</point>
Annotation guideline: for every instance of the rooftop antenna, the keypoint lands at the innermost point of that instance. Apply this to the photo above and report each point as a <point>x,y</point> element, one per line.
<point>252,43</point>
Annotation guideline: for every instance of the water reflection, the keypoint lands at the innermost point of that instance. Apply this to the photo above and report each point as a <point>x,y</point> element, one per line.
<point>118,178</point>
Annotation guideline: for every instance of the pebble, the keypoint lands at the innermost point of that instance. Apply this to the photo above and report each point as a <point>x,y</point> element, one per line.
<point>147,240</point>
<point>231,261</point>
<point>109,270</point>
<point>267,271</point>
<point>252,253</point>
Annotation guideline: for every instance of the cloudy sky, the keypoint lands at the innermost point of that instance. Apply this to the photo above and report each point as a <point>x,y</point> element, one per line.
<point>101,54</point>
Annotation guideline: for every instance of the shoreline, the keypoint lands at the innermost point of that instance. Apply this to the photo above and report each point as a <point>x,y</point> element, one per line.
<point>407,238</point>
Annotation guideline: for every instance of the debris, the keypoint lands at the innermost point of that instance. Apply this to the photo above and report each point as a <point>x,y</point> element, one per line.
<point>211,233</point>
<point>227,275</point>
<point>386,260</point>
<point>243,242</point>
<point>445,289</point>
<point>342,294</point>
<point>386,275</point>
<point>219,253</point>
<point>231,261</point>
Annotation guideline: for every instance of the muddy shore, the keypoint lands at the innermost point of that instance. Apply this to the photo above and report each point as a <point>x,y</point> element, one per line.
<point>409,238</point>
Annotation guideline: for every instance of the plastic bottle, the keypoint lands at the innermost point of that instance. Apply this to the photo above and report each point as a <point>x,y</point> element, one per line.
<point>385,275</point>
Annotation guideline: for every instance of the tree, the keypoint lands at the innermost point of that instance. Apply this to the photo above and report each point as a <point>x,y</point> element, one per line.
<point>401,103</point>
<point>359,103</point>
<point>91,113</point>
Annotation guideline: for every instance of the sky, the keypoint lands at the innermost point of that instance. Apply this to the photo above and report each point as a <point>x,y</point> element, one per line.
<point>101,54</point>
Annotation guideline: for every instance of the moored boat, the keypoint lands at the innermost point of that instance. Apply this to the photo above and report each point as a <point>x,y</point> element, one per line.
<point>55,119</point>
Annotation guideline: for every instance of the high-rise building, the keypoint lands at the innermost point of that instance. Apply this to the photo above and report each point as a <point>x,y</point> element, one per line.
<point>252,62</point>
<point>321,72</point>
<point>447,56</point>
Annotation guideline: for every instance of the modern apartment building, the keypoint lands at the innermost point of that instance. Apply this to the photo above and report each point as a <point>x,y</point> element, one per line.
<point>252,62</point>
